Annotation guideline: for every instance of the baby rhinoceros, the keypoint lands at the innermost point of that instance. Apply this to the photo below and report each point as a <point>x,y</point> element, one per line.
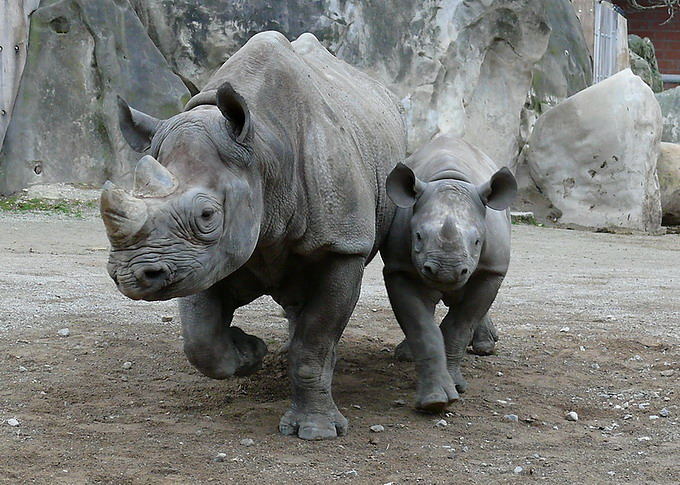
<point>449,241</point>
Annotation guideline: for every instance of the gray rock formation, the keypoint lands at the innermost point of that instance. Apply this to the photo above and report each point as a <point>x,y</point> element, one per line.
<point>13,41</point>
<point>460,67</point>
<point>668,168</point>
<point>643,61</point>
<point>64,127</point>
<point>669,101</point>
<point>594,155</point>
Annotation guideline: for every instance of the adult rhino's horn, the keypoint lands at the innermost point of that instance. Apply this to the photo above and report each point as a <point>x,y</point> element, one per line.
<point>123,215</point>
<point>152,179</point>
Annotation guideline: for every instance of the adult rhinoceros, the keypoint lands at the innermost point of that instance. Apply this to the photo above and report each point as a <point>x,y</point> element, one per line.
<point>272,181</point>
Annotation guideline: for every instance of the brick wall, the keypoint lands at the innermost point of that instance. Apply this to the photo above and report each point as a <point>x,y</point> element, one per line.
<point>666,37</point>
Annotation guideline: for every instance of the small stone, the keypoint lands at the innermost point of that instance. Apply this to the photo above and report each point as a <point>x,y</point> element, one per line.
<point>351,473</point>
<point>399,403</point>
<point>356,406</point>
<point>664,413</point>
<point>13,422</point>
<point>377,428</point>
<point>644,438</point>
<point>64,332</point>
<point>247,442</point>
<point>220,457</point>
<point>653,416</point>
<point>667,372</point>
<point>499,374</point>
<point>441,423</point>
<point>564,329</point>
<point>127,365</point>
<point>511,417</point>
<point>595,365</point>
<point>571,416</point>
<point>518,470</point>
<point>22,368</point>
<point>166,319</point>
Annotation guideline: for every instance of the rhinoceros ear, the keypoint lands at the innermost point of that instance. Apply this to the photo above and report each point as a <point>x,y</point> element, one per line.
<point>403,187</point>
<point>138,128</point>
<point>500,191</point>
<point>235,109</point>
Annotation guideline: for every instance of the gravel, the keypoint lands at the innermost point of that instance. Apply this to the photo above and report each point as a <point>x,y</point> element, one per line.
<point>377,428</point>
<point>64,332</point>
<point>13,422</point>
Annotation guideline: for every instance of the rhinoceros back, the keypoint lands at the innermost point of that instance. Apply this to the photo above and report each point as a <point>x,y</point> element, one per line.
<point>341,131</point>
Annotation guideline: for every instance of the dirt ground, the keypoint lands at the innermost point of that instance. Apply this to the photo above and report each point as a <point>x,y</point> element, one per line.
<point>84,417</point>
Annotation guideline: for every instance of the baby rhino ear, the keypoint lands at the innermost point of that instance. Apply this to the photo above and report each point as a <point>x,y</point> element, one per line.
<point>500,191</point>
<point>403,187</point>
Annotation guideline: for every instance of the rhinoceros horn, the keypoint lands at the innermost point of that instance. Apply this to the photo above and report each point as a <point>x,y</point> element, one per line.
<point>448,231</point>
<point>152,179</point>
<point>123,215</point>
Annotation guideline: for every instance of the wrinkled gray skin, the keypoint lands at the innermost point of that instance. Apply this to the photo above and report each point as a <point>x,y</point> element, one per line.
<point>449,241</point>
<point>272,181</point>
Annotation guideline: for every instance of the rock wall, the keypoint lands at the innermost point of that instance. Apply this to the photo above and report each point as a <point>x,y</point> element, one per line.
<point>483,70</point>
<point>64,128</point>
<point>594,156</point>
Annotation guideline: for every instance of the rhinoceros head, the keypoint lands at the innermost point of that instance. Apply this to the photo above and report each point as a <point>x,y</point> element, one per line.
<point>193,216</point>
<point>448,222</point>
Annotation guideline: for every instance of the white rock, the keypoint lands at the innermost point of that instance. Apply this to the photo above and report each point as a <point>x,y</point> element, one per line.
<point>564,329</point>
<point>571,416</point>
<point>644,438</point>
<point>247,442</point>
<point>590,172</point>
<point>377,428</point>
<point>441,423</point>
<point>668,168</point>
<point>64,332</point>
<point>13,422</point>
<point>518,470</point>
<point>127,365</point>
<point>664,413</point>
<point>511,417</point>
<point>22,368</point>
<point>220,457</point>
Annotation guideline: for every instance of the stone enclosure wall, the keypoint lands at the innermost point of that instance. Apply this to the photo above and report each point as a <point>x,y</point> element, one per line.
<point>483,70</point>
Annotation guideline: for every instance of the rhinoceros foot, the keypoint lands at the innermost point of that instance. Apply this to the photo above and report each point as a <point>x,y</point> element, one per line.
<point>458,379</point>
<point>485,338</point>
<point>233,353</point>
<point>403,352</point>
<point>313,425</point>
<point>434,396</point>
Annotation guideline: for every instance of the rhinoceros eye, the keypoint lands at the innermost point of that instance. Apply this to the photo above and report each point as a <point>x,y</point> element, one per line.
<point>206,224</point>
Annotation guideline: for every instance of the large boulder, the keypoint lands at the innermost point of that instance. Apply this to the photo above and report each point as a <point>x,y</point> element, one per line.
<point>82,53</point>
<point>594,156</point>
<point>669,101</point>
<point>668,168</point>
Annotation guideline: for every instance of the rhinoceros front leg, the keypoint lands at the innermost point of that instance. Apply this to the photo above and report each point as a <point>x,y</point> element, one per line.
<point>330,298</point>
<point>463,318</point>
<point>485,337</point>
<point>414,307</point>
<point>210,343</point>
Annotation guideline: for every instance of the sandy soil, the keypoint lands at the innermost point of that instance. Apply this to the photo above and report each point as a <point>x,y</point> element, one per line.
<point>85,418</point>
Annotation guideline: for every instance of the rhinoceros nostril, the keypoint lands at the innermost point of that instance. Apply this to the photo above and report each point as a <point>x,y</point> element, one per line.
<point>463,271</point>
<point>152,275</point>
<point>430,268</point>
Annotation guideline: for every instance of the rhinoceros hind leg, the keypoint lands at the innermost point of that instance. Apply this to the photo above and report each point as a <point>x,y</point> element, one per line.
<point>485,338</point>
<point>403,352</point>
